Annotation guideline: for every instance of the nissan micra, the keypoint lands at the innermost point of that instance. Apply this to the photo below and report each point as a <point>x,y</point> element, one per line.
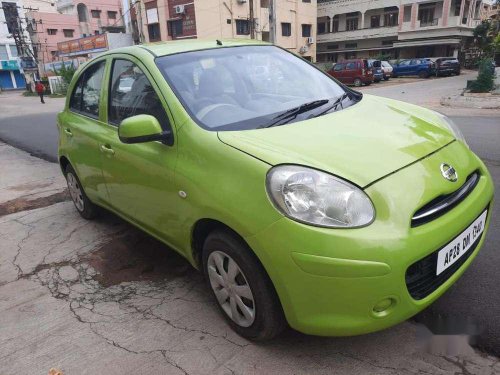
<point>302,201</point>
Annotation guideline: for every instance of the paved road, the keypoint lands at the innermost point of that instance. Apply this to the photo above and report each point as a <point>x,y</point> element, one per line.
<point>475,297</point>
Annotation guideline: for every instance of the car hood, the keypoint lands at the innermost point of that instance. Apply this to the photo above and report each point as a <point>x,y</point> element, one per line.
<point>361,143</point>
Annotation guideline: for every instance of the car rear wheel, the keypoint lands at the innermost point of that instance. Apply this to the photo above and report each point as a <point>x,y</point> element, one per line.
<point>84,206</point>
<point>386,78</point>
<point>358,82</point>
<point>423,74</point>
<point>241,287</point>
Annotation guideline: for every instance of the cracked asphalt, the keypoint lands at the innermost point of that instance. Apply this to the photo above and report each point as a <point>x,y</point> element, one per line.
<point>103,297</point>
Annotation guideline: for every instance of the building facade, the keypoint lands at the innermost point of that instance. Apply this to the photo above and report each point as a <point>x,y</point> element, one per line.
<point>395,29</point>
<point>11,71</point>
<point>290,24</point>
<point>68,20</point>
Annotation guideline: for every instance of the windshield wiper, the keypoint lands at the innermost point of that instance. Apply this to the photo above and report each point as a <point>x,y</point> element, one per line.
<point>335,104</point>
<point>292,113</point>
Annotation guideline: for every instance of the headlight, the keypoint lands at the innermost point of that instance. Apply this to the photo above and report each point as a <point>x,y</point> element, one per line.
<point>317,198</point>
<point>453,128</point>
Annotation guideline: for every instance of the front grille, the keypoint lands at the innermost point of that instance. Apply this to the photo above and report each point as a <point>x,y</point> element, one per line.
<point>421,278</point>
<point>444,203</point>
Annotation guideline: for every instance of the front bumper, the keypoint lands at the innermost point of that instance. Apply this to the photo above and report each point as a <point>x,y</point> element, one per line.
<point>330,280</point>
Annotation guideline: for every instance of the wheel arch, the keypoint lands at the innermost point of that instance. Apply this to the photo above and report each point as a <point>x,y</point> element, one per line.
<point>63,163</point>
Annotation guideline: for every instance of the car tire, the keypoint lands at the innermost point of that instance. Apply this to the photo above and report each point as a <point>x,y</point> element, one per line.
<point>224,251</point>
<point>423,74</point>
<point>83,205</point>
<point>394,75</point>
<point>386,78</point>
<point>358,82</point>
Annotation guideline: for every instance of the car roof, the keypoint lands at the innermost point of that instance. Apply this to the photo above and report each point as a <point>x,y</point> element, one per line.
<point>179,46</point>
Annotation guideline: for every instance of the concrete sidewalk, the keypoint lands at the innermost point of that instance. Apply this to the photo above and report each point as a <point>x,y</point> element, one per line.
<point>101,297</point>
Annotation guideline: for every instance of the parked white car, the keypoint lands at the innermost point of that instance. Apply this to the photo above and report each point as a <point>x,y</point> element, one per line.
<point>387,70</point>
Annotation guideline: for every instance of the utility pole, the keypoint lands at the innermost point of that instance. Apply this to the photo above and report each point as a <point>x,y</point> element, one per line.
<point>252,20</point>
<point>272,21</point>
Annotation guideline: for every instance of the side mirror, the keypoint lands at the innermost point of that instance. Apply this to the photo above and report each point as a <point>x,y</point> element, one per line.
<point>141,129</point>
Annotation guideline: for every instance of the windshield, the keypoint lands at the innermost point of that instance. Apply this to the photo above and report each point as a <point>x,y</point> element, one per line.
<point>247,87</point>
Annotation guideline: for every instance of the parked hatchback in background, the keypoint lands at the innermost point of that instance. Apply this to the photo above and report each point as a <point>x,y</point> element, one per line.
<point>423,68</point>
<point>376,66</point>
<point>387,70</point>
<point>447,66</point>
<point>353,72</point>
<point>300,200</point>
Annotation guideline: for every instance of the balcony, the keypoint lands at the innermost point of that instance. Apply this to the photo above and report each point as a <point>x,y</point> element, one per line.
<point>372,32</point>
<point>61,5</point>
<point>428,23</point>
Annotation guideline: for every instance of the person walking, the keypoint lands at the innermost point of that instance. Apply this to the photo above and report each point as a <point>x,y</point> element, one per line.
<point>40,88</point>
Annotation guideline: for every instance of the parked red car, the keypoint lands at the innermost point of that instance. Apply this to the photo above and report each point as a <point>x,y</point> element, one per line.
<point>353,72</point>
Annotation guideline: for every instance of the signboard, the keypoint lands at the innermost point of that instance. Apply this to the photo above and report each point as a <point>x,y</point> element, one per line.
<point>152,15</point>
<point>9,65</point>
<point>83,46</point>
<point>56,65</point>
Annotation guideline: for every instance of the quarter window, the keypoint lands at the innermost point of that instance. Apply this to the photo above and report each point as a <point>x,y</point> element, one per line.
<point>86,95</point>
<point>131,93</point>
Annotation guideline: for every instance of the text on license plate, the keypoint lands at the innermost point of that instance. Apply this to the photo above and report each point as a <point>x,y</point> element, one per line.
<point>461,244</point>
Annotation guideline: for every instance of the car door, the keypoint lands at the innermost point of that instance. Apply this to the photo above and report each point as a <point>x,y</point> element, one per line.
<point>403,68</point>
<point>338,71</point>
<point>139,177</point>
<point>80,128</point>
<point>414,67</point>
<point>351,68</point>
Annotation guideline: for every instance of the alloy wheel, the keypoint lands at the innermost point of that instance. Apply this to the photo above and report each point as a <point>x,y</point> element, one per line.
<point>231,288</point>
<point>75,191</point>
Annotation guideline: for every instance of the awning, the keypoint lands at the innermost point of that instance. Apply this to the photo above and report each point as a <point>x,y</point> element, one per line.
<point>426,42</point>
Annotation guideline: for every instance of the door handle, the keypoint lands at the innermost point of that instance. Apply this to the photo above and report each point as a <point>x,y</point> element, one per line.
<point>107,149</point>
<point>68,132</point>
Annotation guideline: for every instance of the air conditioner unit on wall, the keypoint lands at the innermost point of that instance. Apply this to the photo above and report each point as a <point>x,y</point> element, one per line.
<point>179,9</point>
<point>310,40</point>
<point>303,49</point>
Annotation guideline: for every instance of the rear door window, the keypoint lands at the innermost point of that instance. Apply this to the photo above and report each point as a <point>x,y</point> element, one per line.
<point>350,66</point>
<point>338,67</point>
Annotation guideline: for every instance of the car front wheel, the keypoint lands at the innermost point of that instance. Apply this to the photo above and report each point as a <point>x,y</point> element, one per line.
<point>84,206</point>
<point>241,287</point>
<point>358,82</point>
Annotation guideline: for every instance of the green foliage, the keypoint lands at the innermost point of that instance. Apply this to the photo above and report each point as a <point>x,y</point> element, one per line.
<point>66,72</point>
<point>383,57</point>
<point>484,81</point>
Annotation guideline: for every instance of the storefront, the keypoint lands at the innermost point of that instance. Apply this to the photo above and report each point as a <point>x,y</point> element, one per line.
<point>10,75</point>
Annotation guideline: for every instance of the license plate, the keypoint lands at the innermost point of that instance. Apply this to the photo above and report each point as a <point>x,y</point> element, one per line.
<point>461,244</point>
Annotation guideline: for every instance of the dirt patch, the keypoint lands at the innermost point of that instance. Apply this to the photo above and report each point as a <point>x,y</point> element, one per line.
<point>136,256</point>
<point>23,203</point>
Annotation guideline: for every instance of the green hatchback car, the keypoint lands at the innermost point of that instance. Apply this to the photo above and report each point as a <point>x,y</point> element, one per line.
<point>302,201</point>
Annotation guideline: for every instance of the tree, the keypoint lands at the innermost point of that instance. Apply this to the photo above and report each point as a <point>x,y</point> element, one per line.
<point>66,72</point>
<point>484,81</point>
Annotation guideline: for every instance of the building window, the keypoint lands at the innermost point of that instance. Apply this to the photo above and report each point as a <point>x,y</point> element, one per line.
<point>306,1</point>
<point>351,24</point>
<point>112,15</point>
<point>375,21</point>
<point>458,4</point>
<point>242,27</point>
<point>321,28</point>
<point>53,54</point>
<point>407,13</point>
<point>175,28</point>
<point>306,31</point>
<point>286,29</point>
<point>83,14</point>
<point>351,45</point>
<point>426,15</point>
<point>95,13</point>
<point>52,31</point>
<point>96,32</point>
<point>154,32</point>
<point>335,24</point>
<point>332,46</point>
<point>390,19</point>
<point>68,33</point>
<point>3,52</point>
<point>11,15</point>
<point>387,42</point>
<point>228,21</point>
<point>264,3</point>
